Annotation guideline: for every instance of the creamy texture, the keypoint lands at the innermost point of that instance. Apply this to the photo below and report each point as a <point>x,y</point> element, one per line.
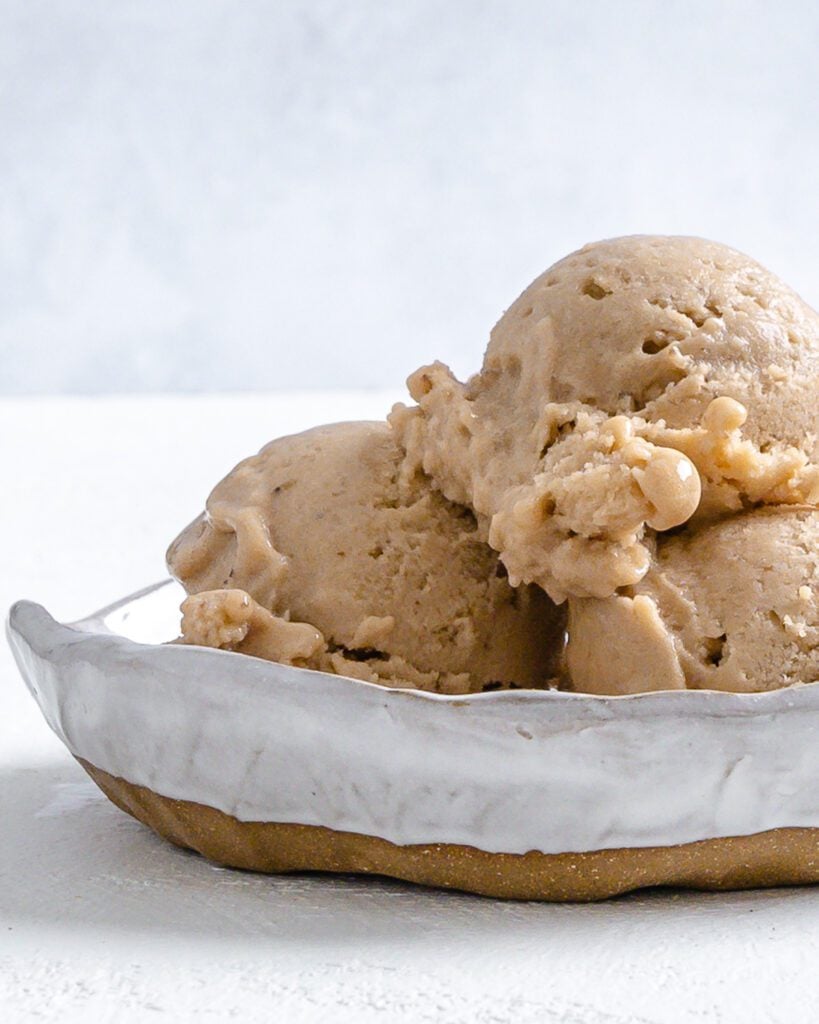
<point>583,514</point>
<point>641,443</point>
<point>319,552</point>
<point>232,620</point>
<point>637,384</point>
<point>731,606</point>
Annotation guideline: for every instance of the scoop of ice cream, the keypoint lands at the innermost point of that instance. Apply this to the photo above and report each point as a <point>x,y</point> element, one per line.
<point>710,362</point>
<point>319,552</point>
<point>731,606</point>
<point>661,326</point>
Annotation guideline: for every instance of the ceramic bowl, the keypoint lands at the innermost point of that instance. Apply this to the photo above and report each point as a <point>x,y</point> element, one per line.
<point>504,773</point>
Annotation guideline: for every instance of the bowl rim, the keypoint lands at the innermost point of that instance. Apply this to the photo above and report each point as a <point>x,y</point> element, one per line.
<point>531,769</point>
<point>24,613</point>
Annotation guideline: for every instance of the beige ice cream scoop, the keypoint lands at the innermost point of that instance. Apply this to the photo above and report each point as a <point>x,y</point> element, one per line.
<point>320,552</point>
<point>634,385</point>
<point>731,606</point>
<point>661,326</point>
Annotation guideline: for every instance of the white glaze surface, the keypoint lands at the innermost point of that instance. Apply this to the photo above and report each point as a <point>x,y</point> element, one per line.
<point>505,772</point>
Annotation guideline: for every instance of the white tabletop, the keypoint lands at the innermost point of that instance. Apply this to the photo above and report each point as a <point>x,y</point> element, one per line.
<point>100,919</point>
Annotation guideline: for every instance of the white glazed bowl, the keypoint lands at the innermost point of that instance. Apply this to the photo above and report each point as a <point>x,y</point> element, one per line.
<point>535,794</point>
<point>504,772</point>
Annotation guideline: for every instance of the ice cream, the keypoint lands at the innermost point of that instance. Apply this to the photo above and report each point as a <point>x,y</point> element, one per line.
<point>641,444</point>
<point>319,552</point>
<point>731,606</point>
<point>636,385</point>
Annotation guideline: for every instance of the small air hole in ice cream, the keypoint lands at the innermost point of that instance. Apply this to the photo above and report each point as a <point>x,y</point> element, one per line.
<point>715,649</point>
<point>655,343</point>
<point>595,290</point>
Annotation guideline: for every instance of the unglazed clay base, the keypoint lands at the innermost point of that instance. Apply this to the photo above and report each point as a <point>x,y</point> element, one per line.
<point>524,793</point>
<point>787,856</point>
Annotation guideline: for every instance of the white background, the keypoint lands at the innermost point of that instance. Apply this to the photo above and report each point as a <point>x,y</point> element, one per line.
<point>211,195</point>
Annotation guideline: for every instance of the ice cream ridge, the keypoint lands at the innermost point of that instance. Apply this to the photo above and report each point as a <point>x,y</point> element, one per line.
<point>623,498</point>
